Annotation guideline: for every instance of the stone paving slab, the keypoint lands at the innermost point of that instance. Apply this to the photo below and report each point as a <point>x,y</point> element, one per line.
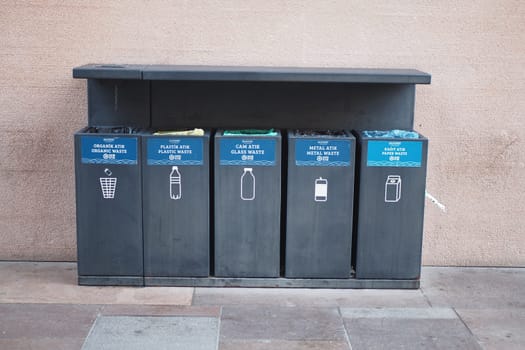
<point>160,310</point>
<point>46,321</point>
<point>174,333</point>
<point>281,323</point>
<point>496,329</point>
<point>27,282</point>
<point>45,326</point>
<point>272,344</point>
<point>399,313</point>
<point>309,297</point>
<point>30,343</point>
<point>474,288</point>
<point>407,329</point>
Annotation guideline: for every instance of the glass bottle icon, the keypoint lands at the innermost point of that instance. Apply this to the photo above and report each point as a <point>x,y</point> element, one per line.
<point>247,185</point>
<point>175,183</point>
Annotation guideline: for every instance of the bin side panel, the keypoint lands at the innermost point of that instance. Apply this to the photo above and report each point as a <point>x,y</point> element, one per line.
<point>109,230</point>
<point>390,219</point>
<point>319,233</point>
<point>247,232</point>
<point>176,231</point>
<point>117,102</point>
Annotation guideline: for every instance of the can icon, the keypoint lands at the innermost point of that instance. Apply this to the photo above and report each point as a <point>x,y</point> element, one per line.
<point>321,190</point>
<point>393,188</point>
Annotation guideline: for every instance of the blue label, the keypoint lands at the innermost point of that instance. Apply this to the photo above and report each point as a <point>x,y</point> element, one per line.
<point>322,152</point>
<point>394,153</point>
<point>248,151</point>
<point>109,150</point>
<point>175,151</point>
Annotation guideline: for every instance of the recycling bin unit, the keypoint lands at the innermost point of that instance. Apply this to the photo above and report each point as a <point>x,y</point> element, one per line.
<point>176,205</point>
<point>109,206</point>
<point>320,196</point>
<point>247,204</point>
<point>391,178</point>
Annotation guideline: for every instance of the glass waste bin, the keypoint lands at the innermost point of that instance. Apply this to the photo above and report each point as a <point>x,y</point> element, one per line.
<point>109,206</point>
<point>391,182</point>
<point>176,203</point>
<point>247,203</point>
<point>320,196</point>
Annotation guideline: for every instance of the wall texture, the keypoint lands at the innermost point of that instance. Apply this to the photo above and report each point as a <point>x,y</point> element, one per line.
<point>473,113</point>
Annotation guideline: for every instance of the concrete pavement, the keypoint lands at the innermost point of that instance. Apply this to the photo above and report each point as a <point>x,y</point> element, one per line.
<point>41,307</point>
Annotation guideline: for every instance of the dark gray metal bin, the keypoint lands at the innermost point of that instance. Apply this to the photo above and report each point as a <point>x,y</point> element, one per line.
<point>109,207</point>
<point>320,191</point>
<point>247,205</point>
<point>176,205</point>
<point>390,207</point>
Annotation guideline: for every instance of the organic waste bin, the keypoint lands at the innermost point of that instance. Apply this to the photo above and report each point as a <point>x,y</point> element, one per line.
<point>247,203</point>
<point>176,192</point>
<point>109,206</point>
<point>320,191</point>
<point>390,207</point>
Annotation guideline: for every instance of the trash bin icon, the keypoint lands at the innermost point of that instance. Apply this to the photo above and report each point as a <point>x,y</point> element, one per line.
<point>108,185</point>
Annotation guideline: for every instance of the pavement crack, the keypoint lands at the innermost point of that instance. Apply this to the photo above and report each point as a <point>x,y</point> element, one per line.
<point>427,299</point>
<point>219,328</point>
<point>347,337</point>
<point>468,328</point>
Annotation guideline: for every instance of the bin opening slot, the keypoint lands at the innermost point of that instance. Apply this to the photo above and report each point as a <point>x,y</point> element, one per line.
<point>112,130</point>
<point>110,66</point>
<point>392,134</point>
<point>250,132</point>
<point>321,133</point>
<point>180,132</point>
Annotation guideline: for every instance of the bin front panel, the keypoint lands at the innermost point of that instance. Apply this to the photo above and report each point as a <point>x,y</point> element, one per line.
<point>320,193</point>
<point>392,179</point>
<point>176,187</point>
<point>109,205</point>
<point>247,206</point>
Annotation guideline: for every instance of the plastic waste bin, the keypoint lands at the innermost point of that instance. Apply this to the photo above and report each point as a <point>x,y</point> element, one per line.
<point>247,203</point>
<point>320,196</point>
<point>390,207</point>
<point>176,203</point>
<point>109,206</point>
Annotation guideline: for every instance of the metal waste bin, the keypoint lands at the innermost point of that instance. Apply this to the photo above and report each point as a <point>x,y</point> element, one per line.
<point>390,207</point>
<point>320,196</point>
<point>176,204</point>
<point>247,204</point>
<point>109,206</point>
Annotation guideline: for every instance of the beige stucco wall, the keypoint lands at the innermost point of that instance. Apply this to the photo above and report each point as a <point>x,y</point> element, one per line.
<point>473,112</point>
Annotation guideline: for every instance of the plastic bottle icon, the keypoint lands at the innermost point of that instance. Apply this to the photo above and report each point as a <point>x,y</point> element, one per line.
<point>175,183</point>
<point>247,185</point>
